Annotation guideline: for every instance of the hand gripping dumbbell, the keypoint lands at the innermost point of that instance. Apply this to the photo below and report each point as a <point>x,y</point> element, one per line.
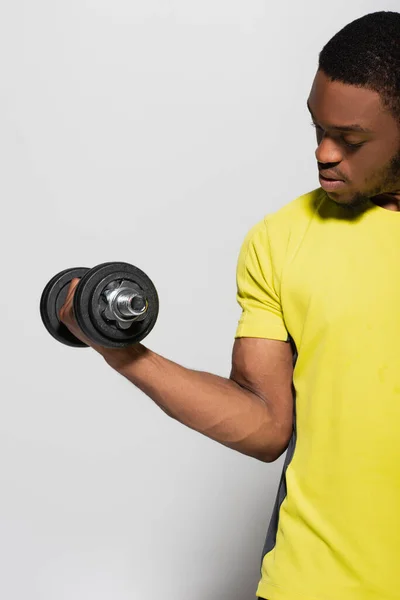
<point>115,305</point>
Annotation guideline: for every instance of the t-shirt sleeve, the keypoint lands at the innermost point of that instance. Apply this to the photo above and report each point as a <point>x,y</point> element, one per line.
<point>257,292</point>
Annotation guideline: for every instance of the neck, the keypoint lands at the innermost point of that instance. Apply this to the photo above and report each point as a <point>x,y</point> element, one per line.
<point>390,201</point>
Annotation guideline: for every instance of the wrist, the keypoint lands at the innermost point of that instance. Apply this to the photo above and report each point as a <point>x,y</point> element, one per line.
<point>120,358</point>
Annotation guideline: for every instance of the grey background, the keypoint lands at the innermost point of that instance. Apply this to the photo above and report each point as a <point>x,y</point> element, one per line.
<point>155,133</point>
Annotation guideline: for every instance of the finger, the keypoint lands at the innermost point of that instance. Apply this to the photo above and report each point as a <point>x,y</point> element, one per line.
<point>72,287</point>
<point>68,302</point>
<point>71,293</point>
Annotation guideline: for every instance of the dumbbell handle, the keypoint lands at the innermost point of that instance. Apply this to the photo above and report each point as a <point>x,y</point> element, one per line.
<point>125,304</point>
<point>130,305</point>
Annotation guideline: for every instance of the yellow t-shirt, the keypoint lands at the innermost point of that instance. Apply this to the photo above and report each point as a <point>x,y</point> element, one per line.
<point>327,278</point>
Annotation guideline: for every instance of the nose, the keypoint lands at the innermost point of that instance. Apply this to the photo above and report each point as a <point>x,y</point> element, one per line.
<point>328,152</point>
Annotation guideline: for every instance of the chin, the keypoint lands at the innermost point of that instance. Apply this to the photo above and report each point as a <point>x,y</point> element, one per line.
<point>346,199</point>
<point>339,198</point>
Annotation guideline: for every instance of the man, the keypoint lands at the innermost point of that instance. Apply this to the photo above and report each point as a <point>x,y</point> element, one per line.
<point>319,285</point>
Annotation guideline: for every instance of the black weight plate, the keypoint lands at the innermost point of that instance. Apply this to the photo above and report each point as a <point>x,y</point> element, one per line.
<point>51,301</point>
<point>89,305</point>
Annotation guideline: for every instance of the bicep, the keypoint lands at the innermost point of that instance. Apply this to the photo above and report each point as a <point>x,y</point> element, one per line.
<point>265,367</point>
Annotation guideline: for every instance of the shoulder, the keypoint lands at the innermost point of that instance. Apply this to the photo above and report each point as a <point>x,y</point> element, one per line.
<point>301,210</point>
<point>288,222</point>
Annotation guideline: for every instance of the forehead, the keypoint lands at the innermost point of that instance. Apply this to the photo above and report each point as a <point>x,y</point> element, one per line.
<point>333,101</point>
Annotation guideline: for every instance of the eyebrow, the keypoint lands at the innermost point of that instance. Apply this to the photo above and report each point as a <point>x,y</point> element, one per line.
<point>356,128</point>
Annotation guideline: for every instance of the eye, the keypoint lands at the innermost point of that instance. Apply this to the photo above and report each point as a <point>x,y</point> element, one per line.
<point>352,146</point>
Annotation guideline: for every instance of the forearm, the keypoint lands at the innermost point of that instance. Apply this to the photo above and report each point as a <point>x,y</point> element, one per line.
<point>217,407</point>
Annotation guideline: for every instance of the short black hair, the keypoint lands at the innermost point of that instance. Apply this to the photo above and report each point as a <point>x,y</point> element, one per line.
<point>366,53</point>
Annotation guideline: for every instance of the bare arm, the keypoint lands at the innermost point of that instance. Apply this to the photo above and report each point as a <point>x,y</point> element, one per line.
<point>250,412</point>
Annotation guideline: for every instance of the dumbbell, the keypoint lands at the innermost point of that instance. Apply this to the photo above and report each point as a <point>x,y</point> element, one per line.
<point>115,304</point>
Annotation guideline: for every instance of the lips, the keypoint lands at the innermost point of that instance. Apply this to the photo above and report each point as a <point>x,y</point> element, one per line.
<point>329,176</point>
<point>331,185</point>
